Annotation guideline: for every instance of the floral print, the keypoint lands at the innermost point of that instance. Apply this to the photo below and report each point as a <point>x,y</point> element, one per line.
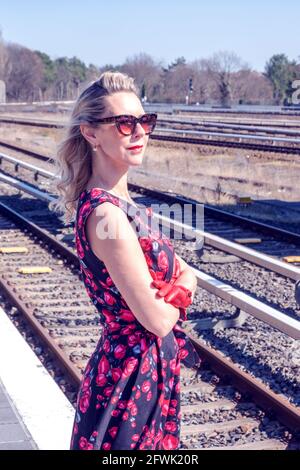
<point>129,397</point>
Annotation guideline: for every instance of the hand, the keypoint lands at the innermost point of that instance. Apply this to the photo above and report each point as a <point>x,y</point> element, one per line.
<point>185,278</point>
<point>179,290</point>
<point>176,294</point>
<point>179,296</point>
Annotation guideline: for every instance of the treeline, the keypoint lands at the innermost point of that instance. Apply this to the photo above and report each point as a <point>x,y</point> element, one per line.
<point>221,79</point>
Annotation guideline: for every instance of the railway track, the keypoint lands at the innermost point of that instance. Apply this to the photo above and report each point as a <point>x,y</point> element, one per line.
<point>201,136</point>
<point>228,251</point>
<point>228,128</point>
<point>216,187</point>
<point>25,169</point>
<point>215,412</point>
<point>278,211</point>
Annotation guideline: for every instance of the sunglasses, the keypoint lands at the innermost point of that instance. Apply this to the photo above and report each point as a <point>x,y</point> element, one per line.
<point>126,123</point>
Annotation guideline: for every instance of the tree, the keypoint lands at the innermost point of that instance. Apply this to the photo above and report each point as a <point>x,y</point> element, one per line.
<point>145,71</point>
<point>48,77</point>
<point>179,61</point>
<point>3,59</point>
<point>174,80</point>
<point>251,87</point>
<point>204,88</point>
<point>33,75</point>
<point>92,72</point>
<point>281,74</point>
<point>25,73</point>
<point>221,67</point>
<point>69,73</point>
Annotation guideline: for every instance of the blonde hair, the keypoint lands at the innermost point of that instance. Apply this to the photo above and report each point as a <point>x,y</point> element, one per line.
<point>73,162</point>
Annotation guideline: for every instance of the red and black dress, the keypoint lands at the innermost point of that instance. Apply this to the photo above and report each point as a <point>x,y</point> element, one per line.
<point>129,396</point>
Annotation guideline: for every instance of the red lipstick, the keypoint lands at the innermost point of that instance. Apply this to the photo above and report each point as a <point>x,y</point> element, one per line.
<point>135,147</point>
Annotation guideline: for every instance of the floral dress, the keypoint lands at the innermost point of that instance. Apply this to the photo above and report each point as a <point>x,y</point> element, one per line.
<point>129,397</point>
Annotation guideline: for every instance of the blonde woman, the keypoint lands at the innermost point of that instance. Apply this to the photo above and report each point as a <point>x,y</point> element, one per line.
<point>129,396</point>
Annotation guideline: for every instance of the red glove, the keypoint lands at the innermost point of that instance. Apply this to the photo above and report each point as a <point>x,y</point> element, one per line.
<point>177,295</point>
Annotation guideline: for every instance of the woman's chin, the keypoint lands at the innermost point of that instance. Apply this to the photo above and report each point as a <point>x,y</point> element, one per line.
<point>136,161</point>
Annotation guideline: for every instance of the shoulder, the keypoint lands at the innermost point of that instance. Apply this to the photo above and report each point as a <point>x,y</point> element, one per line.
<point>109,222</point>
<point>108,209</point>
<point>95,197</point>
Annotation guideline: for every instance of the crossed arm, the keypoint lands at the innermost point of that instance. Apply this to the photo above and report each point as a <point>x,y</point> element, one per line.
<point>133,280</point>
<point>187,277</point>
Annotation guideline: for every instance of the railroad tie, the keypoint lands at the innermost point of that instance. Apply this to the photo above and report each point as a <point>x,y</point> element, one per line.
<point>245,200</point>
<point>245,424</point>
<point>291,259</point>
<point>34,269</point>
<point>13,249</point>
<point>243,241</point>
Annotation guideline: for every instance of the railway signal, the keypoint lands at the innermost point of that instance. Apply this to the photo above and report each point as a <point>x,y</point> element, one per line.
<point>190,91</point>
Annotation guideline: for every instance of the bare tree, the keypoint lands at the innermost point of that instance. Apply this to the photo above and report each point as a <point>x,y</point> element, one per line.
<point>251,87</point>
<point>205,89</point>
<point>145,71</point>
<point>221,66</point>
<point>63,79</point>
<point>33,75</point>
<point>25,70</point>
<point>4,68</point>
<point>173,86</point>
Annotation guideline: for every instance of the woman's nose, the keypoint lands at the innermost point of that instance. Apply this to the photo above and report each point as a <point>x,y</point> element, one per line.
<point>138,130</point>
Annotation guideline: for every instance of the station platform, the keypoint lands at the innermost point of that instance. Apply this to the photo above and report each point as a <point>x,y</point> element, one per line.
<point>34,412</point>
<point>13,433</point>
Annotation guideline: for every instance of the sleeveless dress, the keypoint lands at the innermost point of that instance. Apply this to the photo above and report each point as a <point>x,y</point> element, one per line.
<point>129,397</point>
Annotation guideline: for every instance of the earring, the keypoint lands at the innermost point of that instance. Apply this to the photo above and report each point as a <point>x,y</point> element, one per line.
<point>95,149</point>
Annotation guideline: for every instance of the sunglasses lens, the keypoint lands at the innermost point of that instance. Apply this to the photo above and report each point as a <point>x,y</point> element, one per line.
<point>148,123</point>
<point>126,125</point>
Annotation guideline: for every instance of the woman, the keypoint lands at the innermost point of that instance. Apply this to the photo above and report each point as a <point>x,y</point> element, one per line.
<point>129,396</point>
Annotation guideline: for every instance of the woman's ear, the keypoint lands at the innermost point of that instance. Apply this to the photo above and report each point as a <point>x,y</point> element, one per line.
<point>88,133</point>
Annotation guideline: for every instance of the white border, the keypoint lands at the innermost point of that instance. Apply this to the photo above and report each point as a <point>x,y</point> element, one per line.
<point>44,409</point>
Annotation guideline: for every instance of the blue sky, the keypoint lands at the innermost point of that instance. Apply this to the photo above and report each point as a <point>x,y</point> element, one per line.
<point>103,31</point>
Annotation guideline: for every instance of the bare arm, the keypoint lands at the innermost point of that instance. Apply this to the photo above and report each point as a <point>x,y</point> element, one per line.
<point>126,264</point>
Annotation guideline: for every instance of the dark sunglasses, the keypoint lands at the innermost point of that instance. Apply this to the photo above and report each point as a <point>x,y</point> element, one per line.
<point>126,123</point>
